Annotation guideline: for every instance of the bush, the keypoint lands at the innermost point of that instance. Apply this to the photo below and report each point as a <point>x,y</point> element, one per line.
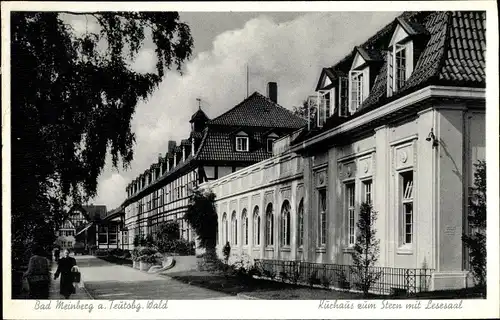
<point>210,262</point>
<point>177,246</point>
<point>101,252</point>
<point>154,258</point>
<point>313,278</point>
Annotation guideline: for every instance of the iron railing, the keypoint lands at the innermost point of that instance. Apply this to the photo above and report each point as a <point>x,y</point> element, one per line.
<point>390,280</point>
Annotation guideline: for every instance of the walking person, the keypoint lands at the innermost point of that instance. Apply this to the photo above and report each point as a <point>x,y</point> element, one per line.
<point>66,263</point>
<point>38,274</point>
<point>57,253</point>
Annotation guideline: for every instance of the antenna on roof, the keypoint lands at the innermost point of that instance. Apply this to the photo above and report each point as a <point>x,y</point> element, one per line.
<point>199,103</point>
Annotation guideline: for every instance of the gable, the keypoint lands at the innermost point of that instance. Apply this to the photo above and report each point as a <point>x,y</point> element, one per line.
<point>241,134</point>
<point>272,135</point>
<point>358,61</point>
<point>398,35</point>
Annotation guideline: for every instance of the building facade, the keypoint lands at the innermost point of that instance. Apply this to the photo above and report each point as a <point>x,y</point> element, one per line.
<point>236,139</point>
<point>401,124</point>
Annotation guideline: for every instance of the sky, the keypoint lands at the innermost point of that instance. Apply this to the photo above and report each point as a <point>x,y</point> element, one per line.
<point>288,48</point>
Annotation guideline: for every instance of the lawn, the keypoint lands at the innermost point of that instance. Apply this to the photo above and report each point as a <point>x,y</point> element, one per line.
<point>257,288</point>
<point>272,290</point>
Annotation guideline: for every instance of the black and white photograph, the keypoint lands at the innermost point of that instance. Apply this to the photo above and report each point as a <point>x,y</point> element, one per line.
<point>336,157</point>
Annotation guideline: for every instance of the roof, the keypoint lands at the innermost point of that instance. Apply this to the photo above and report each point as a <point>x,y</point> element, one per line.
<point>219,146</point>
<point>259,111</point>
<point>198,115</point>
<point>452,54</point>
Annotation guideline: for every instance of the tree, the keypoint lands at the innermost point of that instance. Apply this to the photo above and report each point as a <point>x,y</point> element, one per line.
<point>366,249</point>
<point>475,241</point>
<point>304,112</point>
<point>72,100</point>
<point>202,216</point>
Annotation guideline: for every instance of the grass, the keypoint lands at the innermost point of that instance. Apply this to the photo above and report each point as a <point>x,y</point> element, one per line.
<point>272,290</point>
<point>258,288</point>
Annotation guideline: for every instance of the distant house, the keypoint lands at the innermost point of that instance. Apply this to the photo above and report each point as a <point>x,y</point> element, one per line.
<point>240,137</point>
<point>79,226</point>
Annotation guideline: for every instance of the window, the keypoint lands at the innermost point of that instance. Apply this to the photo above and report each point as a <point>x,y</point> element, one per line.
<point>256,226</point>
<point>224,229</point>
<point>343,102</point>
<point>406,179</point>
<point>103,234</point>
<point>285,224</point>
<point>269,225</point>
<point>242,144</point>
<point>326,105</point>
<point>270,144</point>
<point>322,216</point>
<point>301,222</point>
<point>234,229</point>
<point>125,237</point>
<point>351,215</point>
<point>357,87</point>
<point>244,220</point>
<point>367,191</point>
<point>400,67</point>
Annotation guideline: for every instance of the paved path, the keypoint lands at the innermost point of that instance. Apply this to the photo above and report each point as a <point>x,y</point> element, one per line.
<point>104,280</point>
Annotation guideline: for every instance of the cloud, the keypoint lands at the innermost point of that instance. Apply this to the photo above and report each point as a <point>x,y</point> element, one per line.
<point>291,54</point>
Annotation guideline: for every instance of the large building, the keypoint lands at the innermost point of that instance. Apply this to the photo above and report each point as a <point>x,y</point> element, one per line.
<point>240,137</point>
<point>401,124</point>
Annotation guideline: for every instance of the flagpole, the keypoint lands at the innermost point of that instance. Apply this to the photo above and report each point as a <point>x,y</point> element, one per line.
<point>247,80</point>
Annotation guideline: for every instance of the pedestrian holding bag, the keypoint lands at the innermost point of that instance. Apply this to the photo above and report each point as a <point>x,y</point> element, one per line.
<point>75,273</point>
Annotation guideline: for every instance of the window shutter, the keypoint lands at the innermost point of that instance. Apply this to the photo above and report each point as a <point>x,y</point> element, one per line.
<point>350,91</point>
<point>390,73</point>
<point>409,59</point>
<point>332,102</point>
<point>343,96</point>
<point>366,83</point>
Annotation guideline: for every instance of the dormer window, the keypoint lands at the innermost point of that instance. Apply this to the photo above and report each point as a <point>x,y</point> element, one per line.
<point>399,59</point>
<point>270,140</point>
<point>359,79</point>
<point>242,144</point>
<point>241,141</point>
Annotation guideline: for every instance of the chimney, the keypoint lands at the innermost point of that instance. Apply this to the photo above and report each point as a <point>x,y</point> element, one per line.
<point>272,91</point>
<point>171,145</point>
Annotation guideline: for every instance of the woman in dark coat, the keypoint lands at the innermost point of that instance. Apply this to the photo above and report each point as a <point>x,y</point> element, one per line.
<point>38,275</point>
<point>64,269</point>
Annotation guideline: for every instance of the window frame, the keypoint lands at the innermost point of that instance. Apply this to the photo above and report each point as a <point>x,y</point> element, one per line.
<point>300,223</point>
<point>234,229</point>
<point>269,225</point>
<point>244,224</point>
<point>404,201</point>
<point>360,93</point>
<point>285,234</point>
<point>322,217</point>
<point>242,138</point>
<point>350,211</point>
<point>256,226</point>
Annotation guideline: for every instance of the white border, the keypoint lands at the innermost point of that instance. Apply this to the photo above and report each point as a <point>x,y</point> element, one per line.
<point>266,309</point>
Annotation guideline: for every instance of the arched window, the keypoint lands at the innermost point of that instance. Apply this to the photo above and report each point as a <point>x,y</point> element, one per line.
<point>224,229</point>
<point>285,223</point>
<point>256,226</point>
<point>234,229</point>
<point>300,223</point>
<point>244,220</point>
<point>269,225</point>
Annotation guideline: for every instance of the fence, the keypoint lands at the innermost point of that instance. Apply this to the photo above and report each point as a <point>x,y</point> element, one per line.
<point>390,280</point>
